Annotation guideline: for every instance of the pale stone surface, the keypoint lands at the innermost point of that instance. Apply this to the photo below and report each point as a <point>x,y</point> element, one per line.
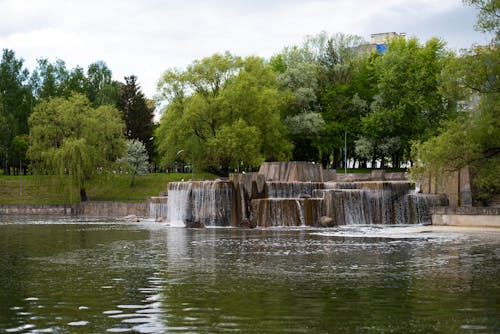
<point>292,171</point>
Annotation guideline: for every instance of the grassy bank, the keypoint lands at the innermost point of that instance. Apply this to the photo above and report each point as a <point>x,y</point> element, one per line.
<point>49,189</point>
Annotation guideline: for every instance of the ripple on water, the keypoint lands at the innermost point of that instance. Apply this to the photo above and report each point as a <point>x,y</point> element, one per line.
<point>118,330</point>
<point>20,328</point>
<point>132,306</point>
<point>78,323</point>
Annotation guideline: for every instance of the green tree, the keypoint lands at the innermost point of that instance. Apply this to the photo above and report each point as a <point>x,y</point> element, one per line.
<point>138,115</point>
<point>408,105</point>
<point>297,71</point>
<point>50,79</point>
<point>472,139</point>
<point>101,89</point>
<point>16,101</point>
<point>70,137</point>
<point>340,56</point>
<point>136,161</point>
<point>213,98</point>
<point>488,19</point>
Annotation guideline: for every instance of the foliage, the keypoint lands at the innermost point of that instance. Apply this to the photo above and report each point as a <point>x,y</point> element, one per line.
<point>222,112</point>
<point>69,137</point>
<point>488,19</point>
<point>138,115</point>
<point>136,160</point>
<point>471,140</point>
<point>15,100</point>
<point>408,104</point>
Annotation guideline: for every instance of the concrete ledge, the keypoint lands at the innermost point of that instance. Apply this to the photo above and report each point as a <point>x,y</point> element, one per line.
<point>466,216</point>
<point>40,209</point>
<point>114,209</point>
<point>95,209</point>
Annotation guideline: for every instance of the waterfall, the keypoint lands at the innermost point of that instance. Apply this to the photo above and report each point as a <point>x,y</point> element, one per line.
<point>421,205</point>
<point>249,200</point>
<point>207,202</point>
<point>178,203</point>
<point>292,189</point>
<point>367,202</point>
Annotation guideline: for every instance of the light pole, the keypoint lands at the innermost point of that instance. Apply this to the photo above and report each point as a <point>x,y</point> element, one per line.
<point>21,182</point>
<point>345,152</point>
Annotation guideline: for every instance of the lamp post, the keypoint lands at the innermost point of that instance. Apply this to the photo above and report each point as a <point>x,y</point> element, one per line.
<point>21,182</point>
<point>345,152</point>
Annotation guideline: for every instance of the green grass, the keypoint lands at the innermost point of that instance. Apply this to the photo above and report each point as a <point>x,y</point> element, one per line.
<point>48,189</point>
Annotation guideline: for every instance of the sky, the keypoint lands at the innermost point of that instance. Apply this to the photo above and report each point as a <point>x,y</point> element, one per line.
<point>147,37</point>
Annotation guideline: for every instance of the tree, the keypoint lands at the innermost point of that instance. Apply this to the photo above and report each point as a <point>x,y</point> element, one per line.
<point>16,101</point>
<point>222,111</point>
<point>50,79</point>
<point>473,138</point>
<point>101,89</point>
<point>70,137</point>
<point>297,71</point>
<point>136,161</point>
<point>341,106</point>
<point>138,115</point>
<point>408,104</point>
<point>488,19</point>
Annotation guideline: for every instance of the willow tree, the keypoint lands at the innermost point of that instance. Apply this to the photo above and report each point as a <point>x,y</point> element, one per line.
<point>68,137</point>
<point>222,112</point>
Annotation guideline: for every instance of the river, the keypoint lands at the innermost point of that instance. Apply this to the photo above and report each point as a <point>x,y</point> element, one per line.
<point>73,276</point>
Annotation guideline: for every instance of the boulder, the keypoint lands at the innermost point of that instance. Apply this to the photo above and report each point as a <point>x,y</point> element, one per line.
<point>325,221</point>
<point>195,224</point>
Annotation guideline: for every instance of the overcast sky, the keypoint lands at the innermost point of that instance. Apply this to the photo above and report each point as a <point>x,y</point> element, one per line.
<point>146,37</point>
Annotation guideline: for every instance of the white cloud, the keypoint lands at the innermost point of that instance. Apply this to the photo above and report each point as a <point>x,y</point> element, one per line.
<point>147,37</point>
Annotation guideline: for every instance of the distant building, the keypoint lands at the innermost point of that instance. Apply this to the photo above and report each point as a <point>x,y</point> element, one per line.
<point>379,41</point>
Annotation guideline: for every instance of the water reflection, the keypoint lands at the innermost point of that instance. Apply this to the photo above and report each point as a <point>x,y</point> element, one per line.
<point>112,277</point>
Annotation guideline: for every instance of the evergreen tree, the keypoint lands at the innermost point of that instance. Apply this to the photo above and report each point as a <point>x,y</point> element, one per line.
<point>137,114</point>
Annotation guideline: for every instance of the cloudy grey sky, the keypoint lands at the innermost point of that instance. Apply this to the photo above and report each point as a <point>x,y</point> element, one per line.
<point>146,37</point>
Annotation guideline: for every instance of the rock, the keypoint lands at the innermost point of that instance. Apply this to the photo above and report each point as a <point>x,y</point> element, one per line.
<point>136,220</point>
<point>246,223</point>
<point>160,219</point>
<point>195,225</point>
<point>325,221</point>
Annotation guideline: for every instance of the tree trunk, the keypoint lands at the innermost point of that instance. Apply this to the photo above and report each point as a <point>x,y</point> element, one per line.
<point>83,195</point>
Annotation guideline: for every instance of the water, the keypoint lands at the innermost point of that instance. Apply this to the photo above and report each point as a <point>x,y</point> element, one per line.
<point>69,276</point>
<point>207,202</point>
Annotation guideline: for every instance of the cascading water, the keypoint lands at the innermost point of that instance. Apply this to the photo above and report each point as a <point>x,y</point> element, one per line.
<point>178,203</point>
<point>248,200</point>
<point>367,202</point>
<point>207,202</point>
<point>421,205</point>
<point>292,189</point>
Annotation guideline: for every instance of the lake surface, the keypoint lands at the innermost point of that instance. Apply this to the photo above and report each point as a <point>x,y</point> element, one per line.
<point>69,276</point>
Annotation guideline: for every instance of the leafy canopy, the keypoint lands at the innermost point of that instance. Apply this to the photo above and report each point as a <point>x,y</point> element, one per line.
<point>70,137</point>
<point>222,112</point>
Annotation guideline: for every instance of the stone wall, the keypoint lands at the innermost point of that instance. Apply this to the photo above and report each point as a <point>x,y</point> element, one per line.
<point>40,209</point>
<point>94,209</point>
<point>292,171</point>
<point>456,185</point>
<point>114,209</point>
<point>466,216</point>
